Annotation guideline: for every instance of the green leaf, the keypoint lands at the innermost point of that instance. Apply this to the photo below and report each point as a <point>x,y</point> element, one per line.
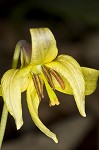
<point>68,67</point>
<point>43,46</point>
<point>11,91</point>
<point>33,104</point>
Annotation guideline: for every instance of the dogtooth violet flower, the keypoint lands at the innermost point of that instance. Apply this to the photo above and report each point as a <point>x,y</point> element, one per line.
<point>40,66</point>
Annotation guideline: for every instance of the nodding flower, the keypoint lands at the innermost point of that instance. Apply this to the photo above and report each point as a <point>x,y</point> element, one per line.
<point>41,66</point>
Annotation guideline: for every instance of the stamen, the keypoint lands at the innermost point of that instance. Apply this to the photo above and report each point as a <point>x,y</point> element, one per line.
<point>48,76</point>
<point>36,86</point>
<point>41,85</point>
<point>58,78</point>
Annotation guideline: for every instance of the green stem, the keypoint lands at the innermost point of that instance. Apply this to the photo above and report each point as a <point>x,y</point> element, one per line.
<point>5,111</point>
<point>16,55</point>
<point>3,123</point>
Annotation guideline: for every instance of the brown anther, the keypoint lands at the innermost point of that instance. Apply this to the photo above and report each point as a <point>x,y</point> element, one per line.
<point>36,85</point>
<point>58,78</point>
<point>48,76</point>
<point>40,85</point>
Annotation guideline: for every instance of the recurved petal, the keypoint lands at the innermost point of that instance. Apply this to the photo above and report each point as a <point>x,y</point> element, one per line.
<point>11,92</point>
<point>91,78</point>
<point>43,46</point>
<point>25,53</point>
<point>33,104</point>
<point>71,71</point>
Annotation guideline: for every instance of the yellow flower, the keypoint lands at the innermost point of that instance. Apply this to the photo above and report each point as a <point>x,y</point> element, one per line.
<point>44,67</point>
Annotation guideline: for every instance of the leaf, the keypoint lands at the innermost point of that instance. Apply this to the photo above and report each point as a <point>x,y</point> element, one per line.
<point>43,46</point>
<point>33,104</point>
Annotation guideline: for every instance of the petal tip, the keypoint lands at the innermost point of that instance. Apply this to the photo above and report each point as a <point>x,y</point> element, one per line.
<point>83,113</point>
<point>55,138</point>
<point>19,125</point>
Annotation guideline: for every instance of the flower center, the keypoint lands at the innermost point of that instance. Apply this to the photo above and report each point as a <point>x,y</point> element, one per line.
<point>42,74</point>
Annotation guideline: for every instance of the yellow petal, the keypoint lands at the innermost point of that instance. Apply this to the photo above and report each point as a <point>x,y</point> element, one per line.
<point>23,76</point>
<point>43,46</point>
<point>33,104</point>
<point>71,71</point>
<point>11,91</point>
<point>25,53</point>
<point>90,77</point>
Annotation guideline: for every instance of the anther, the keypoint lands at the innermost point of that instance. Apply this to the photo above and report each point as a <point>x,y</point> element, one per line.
<point>48,76</point>
<point>40,86</point>
<point>36,85</point>
<point>58,78</point>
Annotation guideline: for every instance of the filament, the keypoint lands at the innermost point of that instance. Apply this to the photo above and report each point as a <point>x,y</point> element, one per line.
<point>40,85</point>
<point>58,78</point>
<point>36,86</point>
<point>48,76</point>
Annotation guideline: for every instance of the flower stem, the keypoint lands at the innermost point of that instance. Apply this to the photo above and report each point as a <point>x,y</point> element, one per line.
<point>5,111</point>
<point>3,123</point>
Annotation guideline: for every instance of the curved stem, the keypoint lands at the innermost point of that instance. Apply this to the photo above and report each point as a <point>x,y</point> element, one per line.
<point>5,111</point>
<point>3,123</point>
<point>16,55</point>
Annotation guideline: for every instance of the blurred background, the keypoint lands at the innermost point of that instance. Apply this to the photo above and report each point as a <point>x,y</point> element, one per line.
<point>75,25</point>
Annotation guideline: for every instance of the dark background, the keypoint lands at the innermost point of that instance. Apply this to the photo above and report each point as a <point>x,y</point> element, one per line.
<point>75,25</point>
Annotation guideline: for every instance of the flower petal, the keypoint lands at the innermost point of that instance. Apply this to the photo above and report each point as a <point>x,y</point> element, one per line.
<point>25,53</point>
<point>33,104</point>
<point>90,77</point>
<point>68,67</point>
<point>11,91</point>
<point>43,46</point>
<point>23,76</point>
